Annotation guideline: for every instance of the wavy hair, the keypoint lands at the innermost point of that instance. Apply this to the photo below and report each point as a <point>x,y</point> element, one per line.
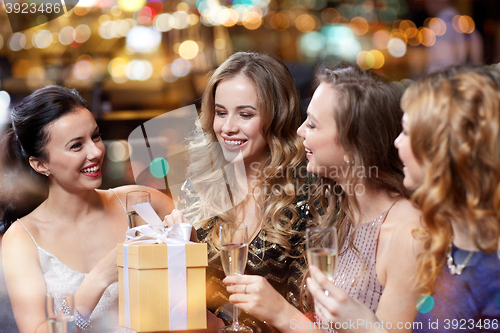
<point>279,105</point>
<point>454,132</point>
<point>368,120</point>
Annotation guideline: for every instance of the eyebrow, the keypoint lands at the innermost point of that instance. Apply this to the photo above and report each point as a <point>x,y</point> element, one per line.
<point>96,129</point>
<point>312,117</point>
<point>239,107</point>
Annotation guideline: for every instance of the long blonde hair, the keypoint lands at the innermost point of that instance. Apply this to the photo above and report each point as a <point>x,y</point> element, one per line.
<point>454,132</point>
<point>280,117</point>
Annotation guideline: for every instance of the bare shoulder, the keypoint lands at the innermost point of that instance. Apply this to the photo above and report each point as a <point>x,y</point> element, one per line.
<point>17,243</point>
<point>406,216</point>
<point>404,240</point>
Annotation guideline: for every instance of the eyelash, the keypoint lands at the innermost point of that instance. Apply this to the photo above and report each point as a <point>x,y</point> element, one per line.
<point>309,125</point>
<point>95,138</point>
<point>223,113</point>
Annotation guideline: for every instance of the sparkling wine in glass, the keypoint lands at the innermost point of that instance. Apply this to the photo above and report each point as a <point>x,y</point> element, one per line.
<point>134,198</point>
<point>322,249</point>
<point>234,251</point>
<point>60,313</point>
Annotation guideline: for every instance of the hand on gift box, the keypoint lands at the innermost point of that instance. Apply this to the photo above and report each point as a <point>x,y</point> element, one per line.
<point>106,269</point>
<point>253,294</point>
<point>176,217</point>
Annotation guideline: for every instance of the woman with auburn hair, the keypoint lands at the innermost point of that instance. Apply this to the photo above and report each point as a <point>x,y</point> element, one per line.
<point>251,107</point>
<point>353,119</point>
<point>62,240</point>
<point>450,146</point>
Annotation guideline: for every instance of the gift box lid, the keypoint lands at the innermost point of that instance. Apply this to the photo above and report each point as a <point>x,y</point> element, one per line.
<point>154,256</point>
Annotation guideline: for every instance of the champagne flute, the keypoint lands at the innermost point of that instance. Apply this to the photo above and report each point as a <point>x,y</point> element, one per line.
<point>322,249</point>
<point>234,251</point>
<point>133,198</point>
<point>60,313</point>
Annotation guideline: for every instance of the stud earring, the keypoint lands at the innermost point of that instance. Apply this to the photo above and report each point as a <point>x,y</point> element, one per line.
<point>47,174</point>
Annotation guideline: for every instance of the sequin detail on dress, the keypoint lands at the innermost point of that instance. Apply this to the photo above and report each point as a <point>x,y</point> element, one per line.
<point>361,285</point>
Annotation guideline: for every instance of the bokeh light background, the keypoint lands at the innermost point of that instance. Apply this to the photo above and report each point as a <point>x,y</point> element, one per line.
<point>133,60</point>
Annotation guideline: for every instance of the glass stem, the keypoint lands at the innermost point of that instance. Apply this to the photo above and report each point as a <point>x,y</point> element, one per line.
<point>236,314</point>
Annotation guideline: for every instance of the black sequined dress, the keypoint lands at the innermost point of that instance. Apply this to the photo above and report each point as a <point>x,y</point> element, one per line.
<point>283,272</point>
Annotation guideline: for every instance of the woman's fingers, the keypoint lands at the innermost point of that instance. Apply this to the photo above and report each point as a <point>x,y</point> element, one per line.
<point>174,217</point>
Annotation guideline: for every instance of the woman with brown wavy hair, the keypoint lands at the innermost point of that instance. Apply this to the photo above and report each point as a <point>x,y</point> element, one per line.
<point>251,107</point>
<point>353,119</point>
<point>450,145</point>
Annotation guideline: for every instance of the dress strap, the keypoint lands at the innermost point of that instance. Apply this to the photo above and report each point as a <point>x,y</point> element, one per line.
<point>18,220</point>
<point>117,197</point>
<point>387,211</point>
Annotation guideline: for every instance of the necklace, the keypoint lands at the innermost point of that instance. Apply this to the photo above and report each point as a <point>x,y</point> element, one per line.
<point>457,270</point>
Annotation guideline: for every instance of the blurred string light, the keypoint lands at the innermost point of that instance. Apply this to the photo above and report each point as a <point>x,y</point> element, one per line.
<point>396,47</point>
<point>332,40</point>
<point>42,39</point>
<point>164,22</point>
<point>118,69</point>
<point>178,68</point>
<point>67,35</point>
<point>131,5</point>
<point>139,70</point>
<point>370,59</point>
<point>17,41</point>
<point>117,151</point>
<point>82,70</point>
<point>463,24</point>
<point>143,39</point>
<point>188,49</point>
<point>380,39</point>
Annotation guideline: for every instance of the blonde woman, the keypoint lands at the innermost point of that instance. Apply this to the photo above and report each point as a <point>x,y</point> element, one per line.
<point>251,106</point>
<point>450,145</point>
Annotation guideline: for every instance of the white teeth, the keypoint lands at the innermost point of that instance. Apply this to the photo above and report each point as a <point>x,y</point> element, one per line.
<point>91,170</point>
<point>308,150</point>
<point>233,142</point>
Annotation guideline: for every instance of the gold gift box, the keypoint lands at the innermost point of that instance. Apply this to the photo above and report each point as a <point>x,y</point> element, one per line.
<point>148,286</point>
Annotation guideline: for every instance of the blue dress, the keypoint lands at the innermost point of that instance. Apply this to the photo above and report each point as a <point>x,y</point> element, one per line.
<point>469,302</point>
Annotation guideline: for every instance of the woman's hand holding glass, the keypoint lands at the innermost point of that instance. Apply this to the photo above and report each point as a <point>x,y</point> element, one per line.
<point>322,249</point>
<point>60,313</point>
<point>234,250</point>
<point>134,198</point>
<point>334,305</point>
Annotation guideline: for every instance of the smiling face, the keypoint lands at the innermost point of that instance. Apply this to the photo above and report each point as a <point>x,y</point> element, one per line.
<point>414,173</point>
<point>319,130</point>
<point>75,151</point>
<point>237,121</point>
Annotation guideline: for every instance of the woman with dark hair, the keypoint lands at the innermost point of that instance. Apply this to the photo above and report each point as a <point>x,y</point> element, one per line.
<point>67,244</point>
<point>450,145</point>
<point>353,119</point>
<point>251,107</point>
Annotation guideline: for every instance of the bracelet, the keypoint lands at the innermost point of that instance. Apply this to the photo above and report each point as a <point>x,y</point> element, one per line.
<point>80,321</point>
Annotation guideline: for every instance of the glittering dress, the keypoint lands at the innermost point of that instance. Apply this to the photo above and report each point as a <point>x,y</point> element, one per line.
<point>357,273</point>
<point>469,302</point>
<point>264,258</point>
